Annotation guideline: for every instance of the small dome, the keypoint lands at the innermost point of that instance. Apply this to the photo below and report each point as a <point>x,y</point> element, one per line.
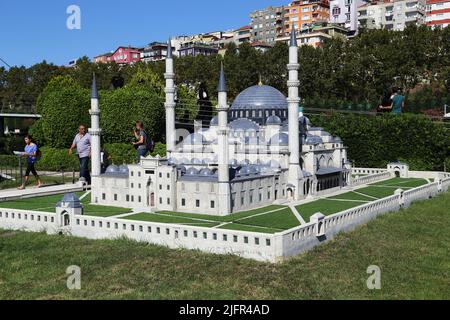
<point>280,139</point>
<point>196,139</point>
<point>206,172</point>
<point>182,169</point>
<point>274,164</point>
<point>172,161</point>
<point>273,120</point>
<point>234,163</point>
<point>254,169</point>
<point>313,140</point>
<point>192,172</point>
<point>244,125</point>
<point>196,161</point>
<point>337,140</point>
<point>185,161</point>
<point>70,200</point>
<point>123,169</point>
<point>245,171</point>
<point>214,122</point>
<point>245,162</point>
<point>112,169</point>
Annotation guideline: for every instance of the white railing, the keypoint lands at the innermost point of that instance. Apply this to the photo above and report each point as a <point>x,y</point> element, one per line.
<point>356,171</point>
<point>34,221</point>
<point>305,237</point>
<point>371,178</point>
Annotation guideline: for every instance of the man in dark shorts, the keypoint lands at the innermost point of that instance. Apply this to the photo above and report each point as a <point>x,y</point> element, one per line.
<point>31,153</point>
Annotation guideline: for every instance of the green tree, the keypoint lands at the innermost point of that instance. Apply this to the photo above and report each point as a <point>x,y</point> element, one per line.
<point>63,105</point>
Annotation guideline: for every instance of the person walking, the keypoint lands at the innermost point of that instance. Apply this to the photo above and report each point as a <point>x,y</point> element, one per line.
<point>82,142</point>
<point>398,101</point>
<point>143,142</point>
<point>32,155</point>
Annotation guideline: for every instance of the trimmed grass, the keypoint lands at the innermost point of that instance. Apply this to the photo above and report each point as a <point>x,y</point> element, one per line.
<point>148,217</point>
<point>272,222</point>
<point>48,203</point>
<point>378,192</point>
<point>325,206</point>
<point>53,180</point>
<point>412,255</point>
<point>351,196</point>
<point>230,218</point>
<point>282,220</point>
<point>44,204</point>
<point>402,182</point>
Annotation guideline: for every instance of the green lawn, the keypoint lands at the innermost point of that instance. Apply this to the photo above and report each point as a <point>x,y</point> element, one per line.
<point>326,206</point>
<point>282,220</point>
<point>260,220</point>
<point>378,192</point>
<point>229,218</point>
<point>413,257</point>
<point>402,183</point>
<point>48,204</point>
<point>148,217</point>
<point>352,196</point>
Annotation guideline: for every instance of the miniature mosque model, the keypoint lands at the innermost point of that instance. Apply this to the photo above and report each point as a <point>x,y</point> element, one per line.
<point>260,151</point>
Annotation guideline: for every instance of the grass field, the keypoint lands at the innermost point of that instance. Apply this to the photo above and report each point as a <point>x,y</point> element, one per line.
<point>349,200</point>
<point>270,219</point>
<point>48,203</point>
<point>411,247</point>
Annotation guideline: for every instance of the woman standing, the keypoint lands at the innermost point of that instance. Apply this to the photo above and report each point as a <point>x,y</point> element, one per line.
<point>31,153</point>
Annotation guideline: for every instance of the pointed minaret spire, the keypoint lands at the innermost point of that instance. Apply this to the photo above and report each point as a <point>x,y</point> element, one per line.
<point>222,81</point>
<point>169,49</point>
<point>94,92</point>
<point>293,42</point>
<point>95,133</point>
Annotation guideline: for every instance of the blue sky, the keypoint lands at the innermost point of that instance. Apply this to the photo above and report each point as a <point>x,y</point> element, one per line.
<point>31,31</point>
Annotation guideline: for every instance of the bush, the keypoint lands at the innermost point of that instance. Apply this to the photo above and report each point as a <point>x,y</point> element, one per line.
<point>9,161</point>
<point>9,144</point>
<point>63,105</point>
<point>160,149</point>
<point>120,153</point>
<point>376,141</point>
<point>57,159</point>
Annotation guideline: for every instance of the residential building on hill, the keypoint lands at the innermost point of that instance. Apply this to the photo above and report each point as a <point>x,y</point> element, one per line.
<point>345,13</point>
<point>302,13</point>
<point>438,13</point>
<point>155,51</point>
<point>122,56</point>
<point>317,33</point>
<point>268,24</point>
<point>392,14</point>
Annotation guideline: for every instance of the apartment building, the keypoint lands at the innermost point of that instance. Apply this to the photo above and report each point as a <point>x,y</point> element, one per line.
<point>302,13</point>
<point>268,24</point>
<point>438,13</point>
<point>392,14</point>
<point>345,13</point>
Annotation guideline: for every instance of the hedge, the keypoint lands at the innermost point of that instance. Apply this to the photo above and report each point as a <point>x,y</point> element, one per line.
<point>375,141</point>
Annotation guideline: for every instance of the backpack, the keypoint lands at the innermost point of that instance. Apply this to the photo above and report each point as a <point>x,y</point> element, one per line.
<point>149,143</point>
<point>38,154</point>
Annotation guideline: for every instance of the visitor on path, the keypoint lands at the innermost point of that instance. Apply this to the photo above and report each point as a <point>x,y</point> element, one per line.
<point>32,155</point>
<point>82,142</point>
<point>386,102</point>
<point>398,101</point>
<point>143,142</point>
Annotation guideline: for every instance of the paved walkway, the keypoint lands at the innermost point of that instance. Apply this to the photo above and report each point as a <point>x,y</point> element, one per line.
<point>11,194</point>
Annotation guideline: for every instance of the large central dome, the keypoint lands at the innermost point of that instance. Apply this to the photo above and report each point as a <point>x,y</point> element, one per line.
<point>258,103</point>
<point>260,97</point>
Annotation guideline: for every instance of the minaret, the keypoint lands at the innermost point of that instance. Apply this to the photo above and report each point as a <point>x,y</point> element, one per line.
<point>95,131</point>
<point>293,102</point>
<point>224,169</point>
<point>170,100</point>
